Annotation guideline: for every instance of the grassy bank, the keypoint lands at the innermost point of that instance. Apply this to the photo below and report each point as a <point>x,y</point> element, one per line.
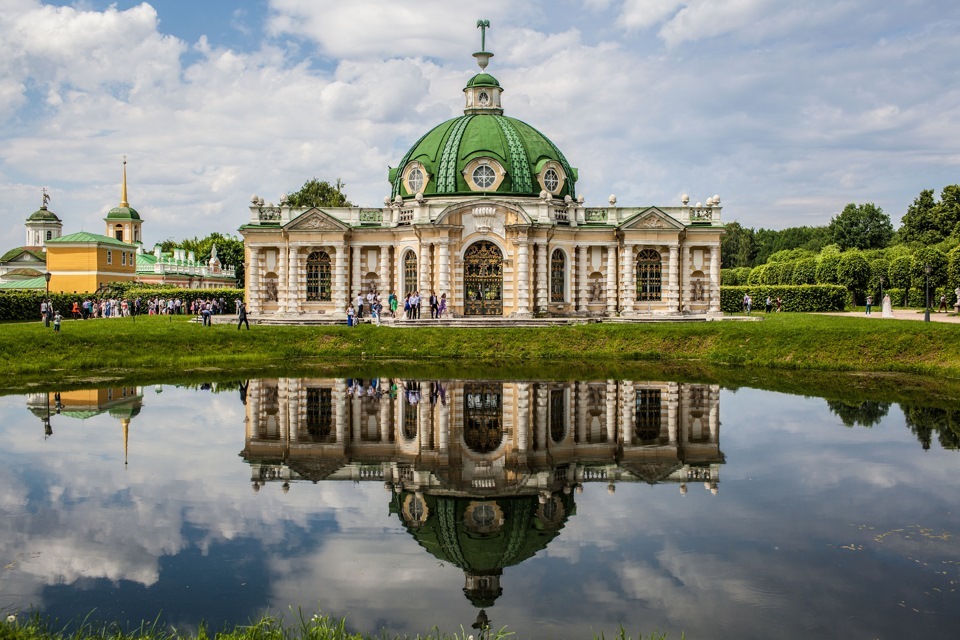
<point>267,628</point>
<point>159,348</point>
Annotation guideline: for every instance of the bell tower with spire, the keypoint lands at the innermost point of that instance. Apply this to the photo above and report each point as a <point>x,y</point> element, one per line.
<point>123,221</point>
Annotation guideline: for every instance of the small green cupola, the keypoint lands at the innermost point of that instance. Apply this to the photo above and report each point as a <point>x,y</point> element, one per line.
<point>123,221</point>
<point>483,90</point>
<point>43,224</point>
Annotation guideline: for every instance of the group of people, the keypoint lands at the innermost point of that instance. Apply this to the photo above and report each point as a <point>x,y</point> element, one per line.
<point>768,305</point>
<point>412,392</point>
<point>372,306</point>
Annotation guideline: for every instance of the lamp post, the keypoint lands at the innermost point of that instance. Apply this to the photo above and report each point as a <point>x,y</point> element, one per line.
<point>46,316</point>
<point>881,290</point>
<point>926,297</point>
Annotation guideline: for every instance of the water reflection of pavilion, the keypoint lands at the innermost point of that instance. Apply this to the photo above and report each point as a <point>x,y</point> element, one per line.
<point>482,473</point>
<point>122,403</point>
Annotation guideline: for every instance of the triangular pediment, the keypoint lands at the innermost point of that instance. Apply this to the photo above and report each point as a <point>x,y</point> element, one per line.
<point>652,218</point>
<point>315,220</point>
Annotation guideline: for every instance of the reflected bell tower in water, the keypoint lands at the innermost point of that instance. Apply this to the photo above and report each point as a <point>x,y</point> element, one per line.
<point>482,473</point>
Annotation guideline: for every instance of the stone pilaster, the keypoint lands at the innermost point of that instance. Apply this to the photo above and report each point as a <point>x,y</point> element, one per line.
<point>253,282</point>
<point>282,280</point>
<point>523,276</point>
<point>673,295</point>
<point>543,279</point>
<point>340,295</point>
<point>715,279</point>
<point>684,273</point>
<point>583,274</point>
<point>612,279</point>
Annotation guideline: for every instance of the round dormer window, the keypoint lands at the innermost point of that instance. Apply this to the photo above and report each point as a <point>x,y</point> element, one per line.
<point>415,180</point>
<point>551,180</point>
<point>484,176</point>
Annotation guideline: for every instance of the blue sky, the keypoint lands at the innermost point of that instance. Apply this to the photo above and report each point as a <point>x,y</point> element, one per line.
<point>789,111</point>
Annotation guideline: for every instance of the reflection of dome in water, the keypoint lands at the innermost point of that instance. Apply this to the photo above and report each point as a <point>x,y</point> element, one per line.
<point>483,536</point>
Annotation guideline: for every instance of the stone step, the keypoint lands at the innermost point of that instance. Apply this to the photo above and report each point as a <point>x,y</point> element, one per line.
<point>468,322</point>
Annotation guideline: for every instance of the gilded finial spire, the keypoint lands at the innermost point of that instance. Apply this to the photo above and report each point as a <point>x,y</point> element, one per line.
<point>123,189</point>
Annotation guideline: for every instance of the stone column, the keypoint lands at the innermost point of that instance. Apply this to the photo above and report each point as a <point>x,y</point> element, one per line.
<point>629,410</point>
<point>523,277</point>
<point>715,279</point>
<point>713,399</point>
<point>253,281</point>
<point>523,420</point>
<point>340,411</point>
<point>444,268</point>
<point>673,280</point>
<point>355,277</point>
<point>683,274</point>
<point>611,279</point>
<point>543,279</point>
<point>293,280</point>
<point>384,269</point>
<point>673,399</point>
<point>629,274</point>
<point>340,280</point>
<point>423,273</point>
<point>543,436</point>
<point>610,403</point>
<point>293,409</point>
<point>282,280</point>
<point>582,252</point>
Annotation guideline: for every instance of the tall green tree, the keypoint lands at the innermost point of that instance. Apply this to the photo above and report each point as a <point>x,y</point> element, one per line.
<point>861,226</point>
<point>317,193</point>
<point>736,247</point>
<point>928,221</point>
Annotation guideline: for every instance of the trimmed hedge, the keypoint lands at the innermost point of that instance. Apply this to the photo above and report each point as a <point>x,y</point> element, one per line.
<point>807,297</point>
<point>20,306</point>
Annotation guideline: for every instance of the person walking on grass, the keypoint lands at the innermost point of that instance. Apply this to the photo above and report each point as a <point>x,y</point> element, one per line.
<point>56,322</point>
<point>242,316</point>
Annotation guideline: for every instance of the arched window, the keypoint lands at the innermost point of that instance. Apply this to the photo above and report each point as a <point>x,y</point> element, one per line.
<point>557,275</point>
<point>648,275</point>
<point>409,272</point>
<point>647,416</point>
<point>318,277</point>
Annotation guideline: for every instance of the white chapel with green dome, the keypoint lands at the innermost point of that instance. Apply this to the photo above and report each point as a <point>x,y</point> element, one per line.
<point>484,208</point>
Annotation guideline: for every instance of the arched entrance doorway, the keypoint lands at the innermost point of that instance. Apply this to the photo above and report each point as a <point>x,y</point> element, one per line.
<point>483,280</point>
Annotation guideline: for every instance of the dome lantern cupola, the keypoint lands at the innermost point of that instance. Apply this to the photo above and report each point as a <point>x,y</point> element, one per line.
<point>483,152</point>
<point>483,90</point>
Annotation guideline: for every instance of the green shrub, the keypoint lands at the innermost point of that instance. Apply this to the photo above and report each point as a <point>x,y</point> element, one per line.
<point>805,272</point>
<point>807,298</point>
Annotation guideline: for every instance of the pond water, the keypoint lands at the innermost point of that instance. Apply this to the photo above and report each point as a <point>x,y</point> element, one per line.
<point>558,509</point>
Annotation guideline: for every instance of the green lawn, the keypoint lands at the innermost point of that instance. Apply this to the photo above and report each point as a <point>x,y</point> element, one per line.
<point>159,348</point>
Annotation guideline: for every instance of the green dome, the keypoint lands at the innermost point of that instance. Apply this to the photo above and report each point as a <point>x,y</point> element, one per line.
<point>43,215</point>
<point>483,80</point>
<point>446,536</point>
<point>123,213</point>
<point>447,149</point>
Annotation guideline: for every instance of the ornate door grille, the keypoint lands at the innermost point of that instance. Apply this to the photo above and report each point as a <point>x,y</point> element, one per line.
<point>483,280</point>
<point>483,416</point>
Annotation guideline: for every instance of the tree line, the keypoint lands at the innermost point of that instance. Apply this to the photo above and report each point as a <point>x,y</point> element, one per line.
<point>859,250</point>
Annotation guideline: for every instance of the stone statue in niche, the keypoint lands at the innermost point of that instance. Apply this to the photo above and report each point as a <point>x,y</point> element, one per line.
<point>596,291</point>
<point>271,289</point>
<point>698,290</point>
